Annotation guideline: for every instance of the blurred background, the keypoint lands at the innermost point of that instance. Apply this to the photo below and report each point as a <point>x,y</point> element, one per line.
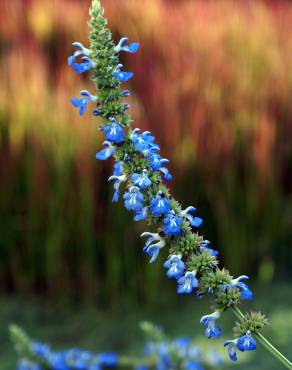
<point>213,82</point>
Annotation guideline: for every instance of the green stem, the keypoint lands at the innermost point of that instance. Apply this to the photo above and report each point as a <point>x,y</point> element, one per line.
<point>276,353</point>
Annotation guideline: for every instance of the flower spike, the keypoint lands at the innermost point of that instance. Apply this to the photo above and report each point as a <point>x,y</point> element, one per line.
<point>143,171</point>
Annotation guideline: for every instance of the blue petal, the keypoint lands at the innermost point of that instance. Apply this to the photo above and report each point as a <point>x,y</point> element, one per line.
<point>104,153</point>
<point>197,222</point>
<point>75,102</point>
<point>123,76</point>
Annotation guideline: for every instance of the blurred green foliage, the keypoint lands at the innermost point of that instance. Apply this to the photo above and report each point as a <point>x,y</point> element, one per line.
<point>117,329</point>
<point>213,82</point>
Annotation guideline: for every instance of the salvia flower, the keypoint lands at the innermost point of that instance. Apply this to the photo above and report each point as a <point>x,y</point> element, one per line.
<point>97,112</point>
<point>194,221</point>
<point>209,322</point>
<point>126,93</point>
<point>166,175</point>
<point>118,180</point>
<point>109,359</point>
<point>118,168</point>
<point>134,199</point>
<point>153,245</point>
<point>246,293</point>
<point>187,283</point>
<point>41,350</point>
<point>122,76</point>
<point>175,266</point>
<point>80,50</point>
<point>193,365</point>
<point>82,103</point>
<point>204,248</point>
<point>131,48</point>
<point>172,224</point>
<point>25,365</point>
<point>159,205</point>
<point>142,214</point>
<point>156,162</point>
<point>246,342</point>
<point>142,142</point>
<point>141,180</point>
<point>232,347</point>
<point>86,65</point>
<point>105,153</point>
<point>113,132</point>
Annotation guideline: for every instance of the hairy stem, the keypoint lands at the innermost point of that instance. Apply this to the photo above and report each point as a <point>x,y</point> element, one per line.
<point>274,351</point>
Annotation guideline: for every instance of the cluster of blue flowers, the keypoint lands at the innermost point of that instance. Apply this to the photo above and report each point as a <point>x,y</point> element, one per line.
<point>72,359</point>
<point>180,354</point>
<point>141,170</point>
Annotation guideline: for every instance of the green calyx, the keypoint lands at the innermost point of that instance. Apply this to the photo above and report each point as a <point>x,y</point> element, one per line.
<point>251,321</point>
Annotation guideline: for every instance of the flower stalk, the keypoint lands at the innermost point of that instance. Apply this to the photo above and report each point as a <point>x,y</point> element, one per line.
<point>141,173</point>
<point>264,341</point>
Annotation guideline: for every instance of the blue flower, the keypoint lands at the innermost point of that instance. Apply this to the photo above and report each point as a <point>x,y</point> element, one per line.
<point>57,361</point>
<point>41,350</point>
<point>81,50</point>
<point>132,48</point>
<point>175,266</point>
<point>118,180</point>
<point>156,162</point>
<point>153,245</point>
<point>166,175</point>
<point>97,112</point>
<point>126,93</point>
<point>82,103</point>
<point>142,142</point>
<point>134,200</point>
<point>182,346</point>
<point>246,342</point>
<point>86,65</point>
<point>141,215</point>
<point>187,283</point>
<point>194,221</point>
<point>172,224</point>
<point>209,322</point>
<point>232,347</point>
<point>246,293</point>
<point>164,360</point>
<point>159,205</point>
<point>106,152</point>
<point>114,132</point>
<point>192,365</point>
<point>109,359</point>
<point>141,180</point>
<point>118,168</point>
<point>25,365</point>
<point>122,76</point>
<point>204,248</point>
